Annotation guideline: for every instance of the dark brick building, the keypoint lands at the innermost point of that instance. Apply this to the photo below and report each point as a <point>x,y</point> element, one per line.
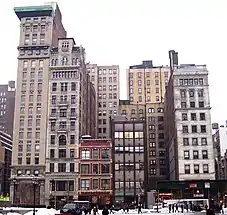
<point>7,103</point>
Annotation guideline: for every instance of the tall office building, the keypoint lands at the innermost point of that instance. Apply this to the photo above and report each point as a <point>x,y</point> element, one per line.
<point>188,124</point>
<point>71,114</point>
<point>7,104</point>
<point>146,90</point>
<point>107,84</point>
<point>40,28</point>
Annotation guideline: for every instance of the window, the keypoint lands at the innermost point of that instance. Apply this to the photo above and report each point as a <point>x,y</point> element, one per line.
<point>72,139</point>
<point>62,140</point>
<point>64,87</point>
<point>85,168</point>
<point>157,90</point>
<point>28,161</point>
<point>195,154</point>
<point>185,129</point>
<point>193,116</point>
<point>186,155</point>
<point>183,93</point>
<point>72,153</point>
<point>184,116</point>
<point>202,116</point>
<point>105,168</point>
<point>85,154</point>
<point>187,169</point>
<point>152,144</point>
<point>151,110</point>
<point>205,168</point>
<point>95,154</point>
<point>95,184</point>
<point>203,128</point>
<point>73,99</point>
<point>183,104</point>
<point>196,168</point>
<point>160,110</point>
<point>19,161</point>
<point>195,141</point>
<point>153,171</point>
<point>192,104</point>
<point>203,141</point>
<point>54,86</point>
<point>200,81</point>
<point>95,169</point>
<point>62,153</point>
<point>62,167</point>
<point>200,93</point>
<point>201,104</point>
<point>52,139</point>
<point>105,154</point>
<point>194,128</point>
<point>191,93</point>
<point>85,184</point>
<point>204,154</point>
<point>63,113</point>
<point>73,86</point>
<point>51,167</point>
<point>72,167</point>
<point>105,184</point>
<point>185,141</point>
<point>64,61</point>
<point>36,160</point>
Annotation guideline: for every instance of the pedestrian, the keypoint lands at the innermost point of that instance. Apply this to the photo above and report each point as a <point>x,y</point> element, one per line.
<point>182,208</point>
<point>105,211</point>
<point>177,208</point>
<point>170,207</point>
<point>139,208</point>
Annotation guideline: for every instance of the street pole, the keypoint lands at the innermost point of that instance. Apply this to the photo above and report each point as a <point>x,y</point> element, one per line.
<point>34,185</point>
<point>158,203</point>
<point>14,191</point>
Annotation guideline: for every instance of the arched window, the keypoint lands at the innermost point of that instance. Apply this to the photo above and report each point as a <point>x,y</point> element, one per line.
<point>140,111</point>
<point>73,61</point>
<point>56,62</point>
<point>53,62</point>
<point>133,111</point>
<point>77,61</point>
<point>62,140</point>
<point>64,61</point>
<point>160,110</point>
<point>151,110</point>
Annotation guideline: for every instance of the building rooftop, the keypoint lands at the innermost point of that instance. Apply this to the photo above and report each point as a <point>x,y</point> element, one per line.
<point>146,64</point>
<point>35,11</point>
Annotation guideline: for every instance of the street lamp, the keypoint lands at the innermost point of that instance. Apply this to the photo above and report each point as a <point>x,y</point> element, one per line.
<point>14,190</point>
<point>35,183</point>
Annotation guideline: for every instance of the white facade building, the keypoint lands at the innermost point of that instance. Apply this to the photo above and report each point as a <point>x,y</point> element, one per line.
<point>191,154</point>
<point>68,107</point>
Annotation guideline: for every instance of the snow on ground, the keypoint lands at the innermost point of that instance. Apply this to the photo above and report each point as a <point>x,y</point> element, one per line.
<point>44,211</point>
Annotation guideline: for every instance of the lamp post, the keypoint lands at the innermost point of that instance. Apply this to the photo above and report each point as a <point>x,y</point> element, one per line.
<point>14,190</point>
<point>35,183</point>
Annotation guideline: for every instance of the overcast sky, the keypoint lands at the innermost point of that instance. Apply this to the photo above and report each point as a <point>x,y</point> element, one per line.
<point>125,32</point>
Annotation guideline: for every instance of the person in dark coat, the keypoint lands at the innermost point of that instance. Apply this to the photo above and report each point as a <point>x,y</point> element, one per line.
<point>170,207</point>
<point>173,208</point>
<point>182,208</point>
<point>139,209</point>
<point>187,207</point>
<point>105,211</point>
<point>210,211</point>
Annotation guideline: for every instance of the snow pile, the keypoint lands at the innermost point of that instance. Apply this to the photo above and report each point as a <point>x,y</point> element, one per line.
<point>43,211</point>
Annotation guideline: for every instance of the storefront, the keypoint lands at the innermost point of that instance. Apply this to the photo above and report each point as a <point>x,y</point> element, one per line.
<point>96,198</point>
